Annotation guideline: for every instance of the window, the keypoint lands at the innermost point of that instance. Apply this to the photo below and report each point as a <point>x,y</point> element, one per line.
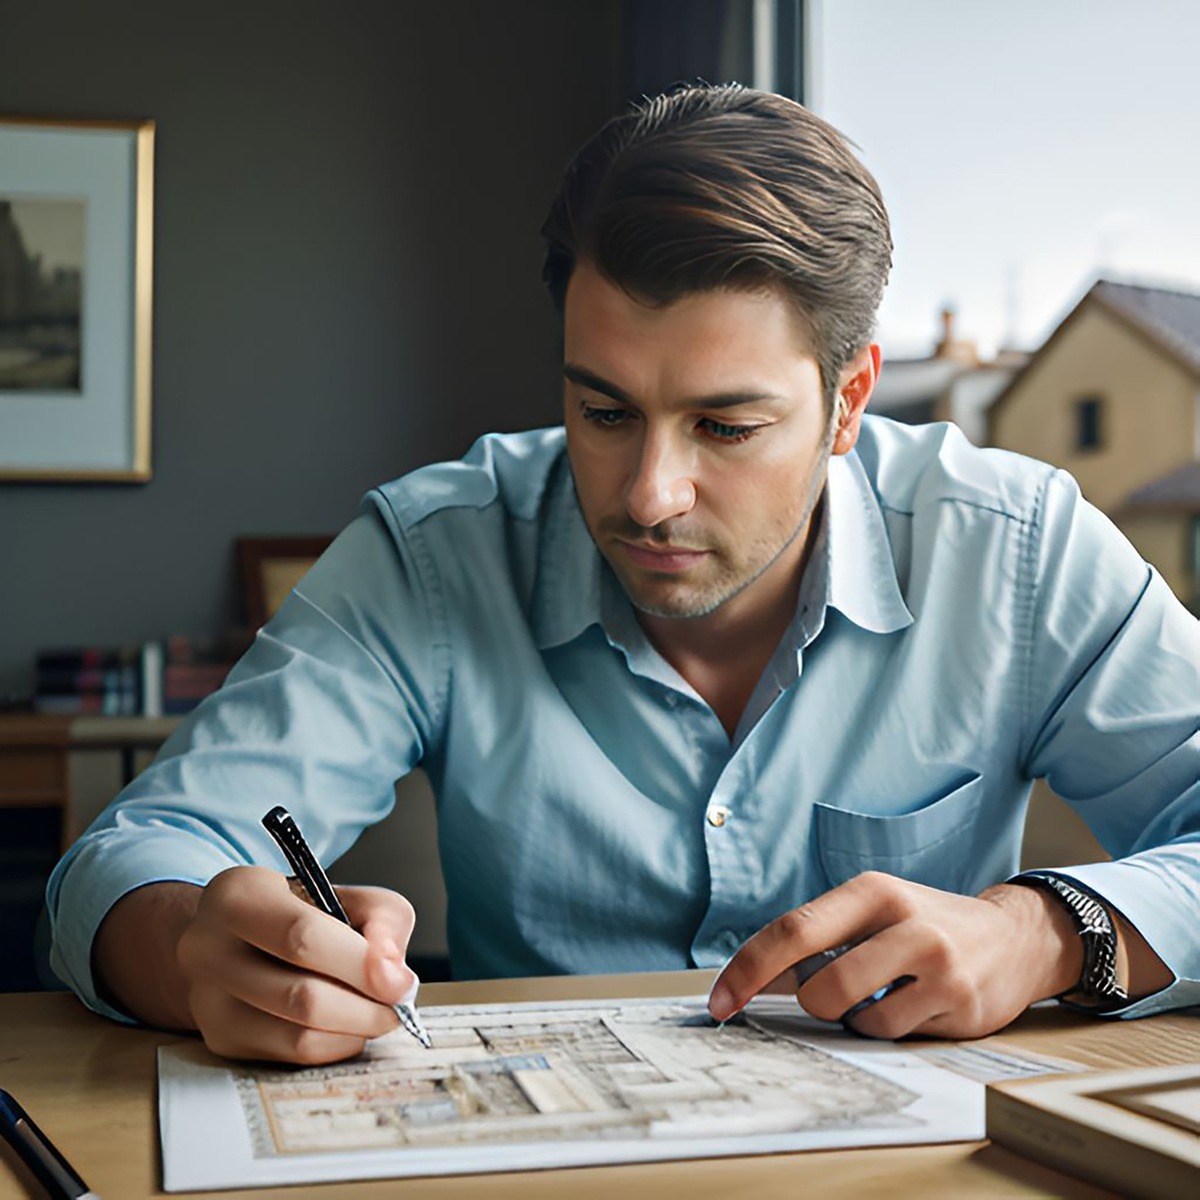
<point>1019,147</point>
<point>1088,427</point>
<point>1195,565</point>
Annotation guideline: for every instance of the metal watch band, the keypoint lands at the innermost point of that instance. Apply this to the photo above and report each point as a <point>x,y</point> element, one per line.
<point>1099,981</point>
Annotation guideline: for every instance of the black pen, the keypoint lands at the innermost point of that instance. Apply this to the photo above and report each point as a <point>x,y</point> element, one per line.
<point>39,1153</point>
<point>280,824</point>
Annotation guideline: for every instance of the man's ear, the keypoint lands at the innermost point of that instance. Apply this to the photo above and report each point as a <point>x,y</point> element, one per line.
<point>855,385</point>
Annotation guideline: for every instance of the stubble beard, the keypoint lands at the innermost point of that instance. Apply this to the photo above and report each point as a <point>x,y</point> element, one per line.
<point>722,591</point>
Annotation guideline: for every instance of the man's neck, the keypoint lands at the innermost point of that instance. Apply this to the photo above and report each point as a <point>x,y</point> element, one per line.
<point>724,653</point>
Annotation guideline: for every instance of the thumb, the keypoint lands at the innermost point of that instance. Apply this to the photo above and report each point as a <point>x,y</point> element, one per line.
<point>386,920</point>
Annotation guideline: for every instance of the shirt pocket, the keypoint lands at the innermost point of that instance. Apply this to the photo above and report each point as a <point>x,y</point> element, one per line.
<point>933,845</point>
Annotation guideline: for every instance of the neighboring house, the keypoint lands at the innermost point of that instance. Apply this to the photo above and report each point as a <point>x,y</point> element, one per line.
<point>1113,397</point>
<point>1154,518</point>
<point>951,385</point>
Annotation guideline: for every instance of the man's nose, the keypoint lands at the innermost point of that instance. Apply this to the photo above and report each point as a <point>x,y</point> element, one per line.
<point>661,486</point>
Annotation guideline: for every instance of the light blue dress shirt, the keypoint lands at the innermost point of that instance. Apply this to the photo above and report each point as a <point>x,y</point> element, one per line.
<point>967,623</point>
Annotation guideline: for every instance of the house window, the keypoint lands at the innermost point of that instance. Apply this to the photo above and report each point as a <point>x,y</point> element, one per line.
<point>1088,429</point>
<point>1195,564</point>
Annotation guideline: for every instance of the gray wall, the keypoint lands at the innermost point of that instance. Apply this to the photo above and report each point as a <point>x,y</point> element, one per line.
<point>347,260</point>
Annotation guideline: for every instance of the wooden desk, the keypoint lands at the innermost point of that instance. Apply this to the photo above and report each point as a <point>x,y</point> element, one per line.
<point>90,1084</point>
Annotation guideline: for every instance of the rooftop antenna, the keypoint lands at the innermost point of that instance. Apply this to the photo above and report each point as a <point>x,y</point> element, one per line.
<point>1012,306</point>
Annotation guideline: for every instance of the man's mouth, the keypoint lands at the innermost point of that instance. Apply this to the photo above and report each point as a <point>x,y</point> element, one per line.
<point>661,558</point>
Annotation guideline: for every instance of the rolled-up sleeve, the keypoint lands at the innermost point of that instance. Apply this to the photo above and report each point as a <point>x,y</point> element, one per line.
<point>1114,677</point>
<point>341,694</point>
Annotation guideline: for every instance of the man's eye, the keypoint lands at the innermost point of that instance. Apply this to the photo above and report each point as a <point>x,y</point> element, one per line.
<point>606,418</point>
<point>727,433</point>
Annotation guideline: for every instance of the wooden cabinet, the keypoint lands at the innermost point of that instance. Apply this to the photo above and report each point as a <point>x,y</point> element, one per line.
<point>51,762</point>
<point>34,762</point>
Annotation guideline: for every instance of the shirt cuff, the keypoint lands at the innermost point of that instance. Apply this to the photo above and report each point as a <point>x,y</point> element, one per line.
<point>92,878</point>
<point>1145,893</point>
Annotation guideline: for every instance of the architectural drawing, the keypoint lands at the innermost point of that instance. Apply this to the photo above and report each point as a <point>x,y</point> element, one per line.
<point>629,1071</point>
<point>518,1087</point>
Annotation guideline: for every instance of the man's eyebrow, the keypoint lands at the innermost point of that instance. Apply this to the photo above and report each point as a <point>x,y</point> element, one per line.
<point>596,383</point>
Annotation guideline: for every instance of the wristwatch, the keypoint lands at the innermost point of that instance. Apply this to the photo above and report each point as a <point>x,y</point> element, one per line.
<point>1099,985</point>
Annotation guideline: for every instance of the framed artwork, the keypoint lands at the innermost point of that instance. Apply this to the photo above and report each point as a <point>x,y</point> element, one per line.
<point>76,245</point>
<point>270,567</point>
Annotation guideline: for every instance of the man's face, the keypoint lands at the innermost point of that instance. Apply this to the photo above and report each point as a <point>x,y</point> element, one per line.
<point>698,439</point>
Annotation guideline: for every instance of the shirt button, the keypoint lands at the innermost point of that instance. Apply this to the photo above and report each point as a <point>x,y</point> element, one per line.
<point>717,815</point>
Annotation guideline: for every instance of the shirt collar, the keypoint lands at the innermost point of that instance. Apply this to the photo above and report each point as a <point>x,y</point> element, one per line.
<point>852,558</point>
<point>861,582</point>
<point>567,594</point>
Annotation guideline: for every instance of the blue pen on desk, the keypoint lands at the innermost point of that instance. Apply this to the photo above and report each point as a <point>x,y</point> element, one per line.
<point>39,1153</point>
<point>280,824</point>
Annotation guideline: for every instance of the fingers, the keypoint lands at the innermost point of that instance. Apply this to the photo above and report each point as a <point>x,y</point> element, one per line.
<point>386,919</point>
<point>939,993</point>
<point>238,1030</point>
<point>301,997</point>
<point>258,908</point>
<point>905,1009</point>
<point>889,957</point>
<point>860,973</point>
<point>763,958</point>
<point>271,976</point>
<point>846,914</point>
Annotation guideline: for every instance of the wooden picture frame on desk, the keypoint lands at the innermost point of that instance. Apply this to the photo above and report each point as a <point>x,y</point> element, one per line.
<point>270,567</point>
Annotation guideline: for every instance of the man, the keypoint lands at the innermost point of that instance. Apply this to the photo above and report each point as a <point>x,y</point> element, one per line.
<point>721,664</point>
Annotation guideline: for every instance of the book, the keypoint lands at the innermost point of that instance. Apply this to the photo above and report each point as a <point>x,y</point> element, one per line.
<point>65,681</point>
<point>1135,1131</point>
<point>89,680</point>
<point>152,679</point>
<point>69,706</point>
<point>79,658</point>
<point>193,681</point>
<point>149,679</point>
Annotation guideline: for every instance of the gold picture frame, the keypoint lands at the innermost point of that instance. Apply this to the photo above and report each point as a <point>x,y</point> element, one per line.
<point>270,567</point>
<point>76,279</point>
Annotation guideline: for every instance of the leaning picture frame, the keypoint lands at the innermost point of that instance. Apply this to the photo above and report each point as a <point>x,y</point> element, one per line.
<point>76,247</point>
<point>270,567</point>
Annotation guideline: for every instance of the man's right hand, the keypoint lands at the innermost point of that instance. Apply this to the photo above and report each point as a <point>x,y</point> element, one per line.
<point>257,971</point>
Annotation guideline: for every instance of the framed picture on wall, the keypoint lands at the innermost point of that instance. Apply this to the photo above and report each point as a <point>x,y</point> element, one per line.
<point>270,567</point>
<point>76,241</point>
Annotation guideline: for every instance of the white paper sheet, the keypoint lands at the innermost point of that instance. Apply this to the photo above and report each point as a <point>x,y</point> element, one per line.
<point>518,1087</point>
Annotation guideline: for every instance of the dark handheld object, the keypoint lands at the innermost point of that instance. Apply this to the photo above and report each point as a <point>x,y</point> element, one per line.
<point>39,1153</point>
<point>280,824</point>
<point>806,968</point>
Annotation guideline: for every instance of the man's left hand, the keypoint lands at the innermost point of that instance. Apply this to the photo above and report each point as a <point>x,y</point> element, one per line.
<point>976,962</point>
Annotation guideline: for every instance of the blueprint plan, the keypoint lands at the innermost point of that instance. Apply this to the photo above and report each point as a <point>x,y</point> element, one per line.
<point>514,1087</point>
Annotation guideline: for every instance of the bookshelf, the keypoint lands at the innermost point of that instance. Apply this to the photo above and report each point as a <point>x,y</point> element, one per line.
<point>56,773</point>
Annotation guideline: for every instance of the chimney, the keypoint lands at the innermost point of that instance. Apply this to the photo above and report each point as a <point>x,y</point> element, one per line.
<point>959,350</point>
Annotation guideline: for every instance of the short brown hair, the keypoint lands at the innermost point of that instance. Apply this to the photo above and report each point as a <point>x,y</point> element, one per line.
<point>710,187</point>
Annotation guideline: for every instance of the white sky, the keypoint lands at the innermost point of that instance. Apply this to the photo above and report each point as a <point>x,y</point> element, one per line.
<point>1023,148</point>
